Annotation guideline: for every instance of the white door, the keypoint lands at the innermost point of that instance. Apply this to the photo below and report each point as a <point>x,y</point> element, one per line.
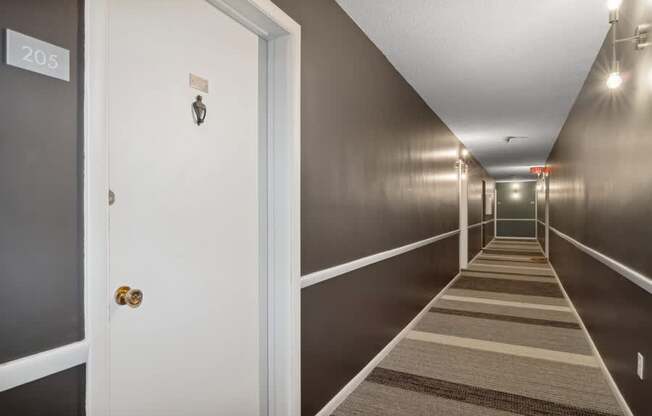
<point>184,227</point>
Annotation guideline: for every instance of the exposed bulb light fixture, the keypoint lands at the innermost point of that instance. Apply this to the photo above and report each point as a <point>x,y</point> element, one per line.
<point>465,153</point>
<point>640,40</point>
<point>614,81</point>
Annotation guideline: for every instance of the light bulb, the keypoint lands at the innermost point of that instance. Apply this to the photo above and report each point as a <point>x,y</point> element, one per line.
<point>465,153</point>
<point>614,81</point>
<point>613,4</point>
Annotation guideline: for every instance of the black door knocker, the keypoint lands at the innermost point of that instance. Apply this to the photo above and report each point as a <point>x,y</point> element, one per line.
<point>199,110</point>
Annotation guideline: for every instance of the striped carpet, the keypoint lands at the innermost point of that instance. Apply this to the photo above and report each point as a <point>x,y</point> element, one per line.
<point>502,340</point>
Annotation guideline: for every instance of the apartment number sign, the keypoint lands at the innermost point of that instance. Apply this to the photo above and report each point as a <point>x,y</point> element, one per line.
<point>26,52</point>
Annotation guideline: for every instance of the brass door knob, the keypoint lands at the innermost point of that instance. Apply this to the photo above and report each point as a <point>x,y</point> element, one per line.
<point>128,296</point>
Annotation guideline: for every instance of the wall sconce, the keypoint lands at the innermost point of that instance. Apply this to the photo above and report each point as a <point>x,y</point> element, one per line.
<point>199,110</point>
<point>640,40</point>
<point>462,166</point>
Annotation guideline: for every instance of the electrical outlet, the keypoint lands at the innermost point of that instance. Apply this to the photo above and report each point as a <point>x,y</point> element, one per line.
<point>640,366</point>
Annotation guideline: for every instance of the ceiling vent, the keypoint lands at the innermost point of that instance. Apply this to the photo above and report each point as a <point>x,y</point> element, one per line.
<point>510,139</point>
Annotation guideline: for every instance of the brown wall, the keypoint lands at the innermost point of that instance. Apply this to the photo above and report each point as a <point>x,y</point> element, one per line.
<point>60,394</point>
<point>41,297</point>
<point>347,320</point>
<point>41,282</point>
<point>378,172</point>
<point>601,195</point>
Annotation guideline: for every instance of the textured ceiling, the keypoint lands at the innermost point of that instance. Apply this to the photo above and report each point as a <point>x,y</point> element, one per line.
<point>491,68</point>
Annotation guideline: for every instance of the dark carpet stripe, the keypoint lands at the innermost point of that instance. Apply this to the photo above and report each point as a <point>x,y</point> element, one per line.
<point>507,318</point>
<point>514,287</point>
<point>475,395</point>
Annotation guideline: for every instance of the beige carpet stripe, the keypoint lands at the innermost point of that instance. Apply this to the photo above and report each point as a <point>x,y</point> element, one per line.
<point>502,348</point>
<point>507,303</point>
<point>510,297</point>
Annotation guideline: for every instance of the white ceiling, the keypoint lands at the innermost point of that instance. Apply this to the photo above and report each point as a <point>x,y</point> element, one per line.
<point>491,68</point>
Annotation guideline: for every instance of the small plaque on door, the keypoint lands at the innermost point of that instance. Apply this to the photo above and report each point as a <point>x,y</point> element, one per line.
<point>199,83</point>
<point>35,55</point>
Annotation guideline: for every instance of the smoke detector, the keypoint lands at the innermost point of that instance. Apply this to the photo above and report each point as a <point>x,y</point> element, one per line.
<point>509,139</point>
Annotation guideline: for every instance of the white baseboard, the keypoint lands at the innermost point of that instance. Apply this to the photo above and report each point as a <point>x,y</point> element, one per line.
<point>612,383</point>
<point>330,407</point>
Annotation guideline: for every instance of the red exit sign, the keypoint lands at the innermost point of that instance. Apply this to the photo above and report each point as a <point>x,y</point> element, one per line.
<point>538,170</point>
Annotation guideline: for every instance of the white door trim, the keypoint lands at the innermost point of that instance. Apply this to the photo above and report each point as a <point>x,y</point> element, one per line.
<point>283,37</point>
<point>546,183</point>
<point>463,204</point>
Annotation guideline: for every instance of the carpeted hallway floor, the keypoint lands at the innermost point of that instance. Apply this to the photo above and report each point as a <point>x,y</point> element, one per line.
<point>502,340</point>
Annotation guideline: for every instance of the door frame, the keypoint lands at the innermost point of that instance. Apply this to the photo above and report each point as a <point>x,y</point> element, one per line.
<point>283,37</point>
<point>463,204</point>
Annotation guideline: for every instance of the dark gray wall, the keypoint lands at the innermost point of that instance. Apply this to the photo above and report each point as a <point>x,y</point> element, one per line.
<point>368,143</point>
<point>40,163</point>
<point>376,175</point>
<point>347,320</point>
<point>601,195</point>
<point>60,394</point>
<point>510,207</point>
<point>41,291</point>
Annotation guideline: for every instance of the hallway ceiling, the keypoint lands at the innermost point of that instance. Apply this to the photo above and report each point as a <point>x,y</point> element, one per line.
<point>491,68</point>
